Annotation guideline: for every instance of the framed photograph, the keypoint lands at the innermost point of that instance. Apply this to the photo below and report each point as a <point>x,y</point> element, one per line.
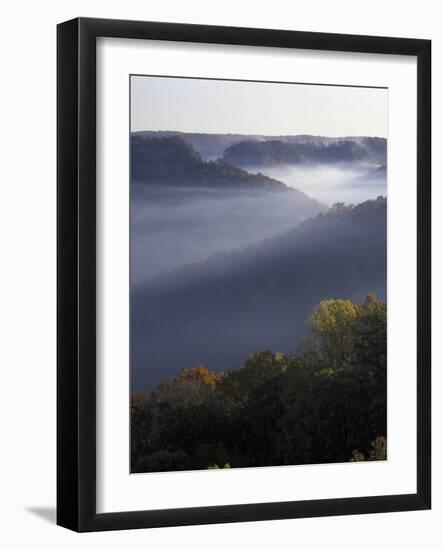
<point>243,274</point>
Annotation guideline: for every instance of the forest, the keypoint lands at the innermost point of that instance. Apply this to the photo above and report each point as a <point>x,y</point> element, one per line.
<point>323,403</point>
<point>265,153</point>
<point>170,161</point>
<point>258,312</point>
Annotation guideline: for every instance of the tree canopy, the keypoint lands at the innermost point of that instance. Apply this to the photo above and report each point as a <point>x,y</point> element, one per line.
<point>324,404</point>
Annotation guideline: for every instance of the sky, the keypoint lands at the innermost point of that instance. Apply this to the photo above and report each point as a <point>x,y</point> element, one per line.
<point>222,106</point>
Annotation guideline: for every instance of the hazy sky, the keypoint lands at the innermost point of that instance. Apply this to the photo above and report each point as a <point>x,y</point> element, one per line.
<point>220,106</point>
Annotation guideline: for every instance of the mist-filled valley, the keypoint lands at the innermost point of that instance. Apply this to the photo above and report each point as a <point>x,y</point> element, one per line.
<point>181,226</point>
<point>229,257</point>
<point>258,274</point>
<point>352,182</point>
<point>348,170</point>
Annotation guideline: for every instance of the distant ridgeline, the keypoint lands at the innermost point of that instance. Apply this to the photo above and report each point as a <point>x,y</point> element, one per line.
<point>213,146</point>
<point>172,161</point>
<point>276,152</point>
<point>188,160</point>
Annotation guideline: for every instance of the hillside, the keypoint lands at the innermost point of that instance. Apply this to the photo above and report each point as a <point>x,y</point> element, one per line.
<point>184,209</point>
<point>212,146</point>
<point>258,297</point>
<point>170,161</point>
<point>270,153</point>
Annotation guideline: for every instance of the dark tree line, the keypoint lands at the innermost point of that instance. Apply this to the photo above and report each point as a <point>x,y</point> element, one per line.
<point>171,161</point>
<point>278,152</point>
<point>325,403</point>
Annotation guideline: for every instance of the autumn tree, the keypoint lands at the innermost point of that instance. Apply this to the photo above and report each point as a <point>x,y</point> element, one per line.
<point>324,404</point>
<point>332,330</point>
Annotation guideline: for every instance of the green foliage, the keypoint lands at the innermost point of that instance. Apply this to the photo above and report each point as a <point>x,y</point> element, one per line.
<point>326,404</point>
<point>343,333</point>
<point>370,333</point>
<point>331,325</point>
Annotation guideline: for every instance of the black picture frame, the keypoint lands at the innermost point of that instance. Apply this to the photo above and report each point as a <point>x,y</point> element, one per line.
<point>76,274</point>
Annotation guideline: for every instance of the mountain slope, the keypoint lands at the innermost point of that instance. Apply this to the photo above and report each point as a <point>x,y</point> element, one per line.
<point>275,152</point>
<point>219,311</point>
<point>184,209</point>
<point>173,162</point>
<point>212,146</point>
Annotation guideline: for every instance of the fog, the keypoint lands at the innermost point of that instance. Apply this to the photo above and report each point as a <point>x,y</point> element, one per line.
<point>351,183</point>
<point>218,311</point>
<point>172,227</point>
<point>217,274</point>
